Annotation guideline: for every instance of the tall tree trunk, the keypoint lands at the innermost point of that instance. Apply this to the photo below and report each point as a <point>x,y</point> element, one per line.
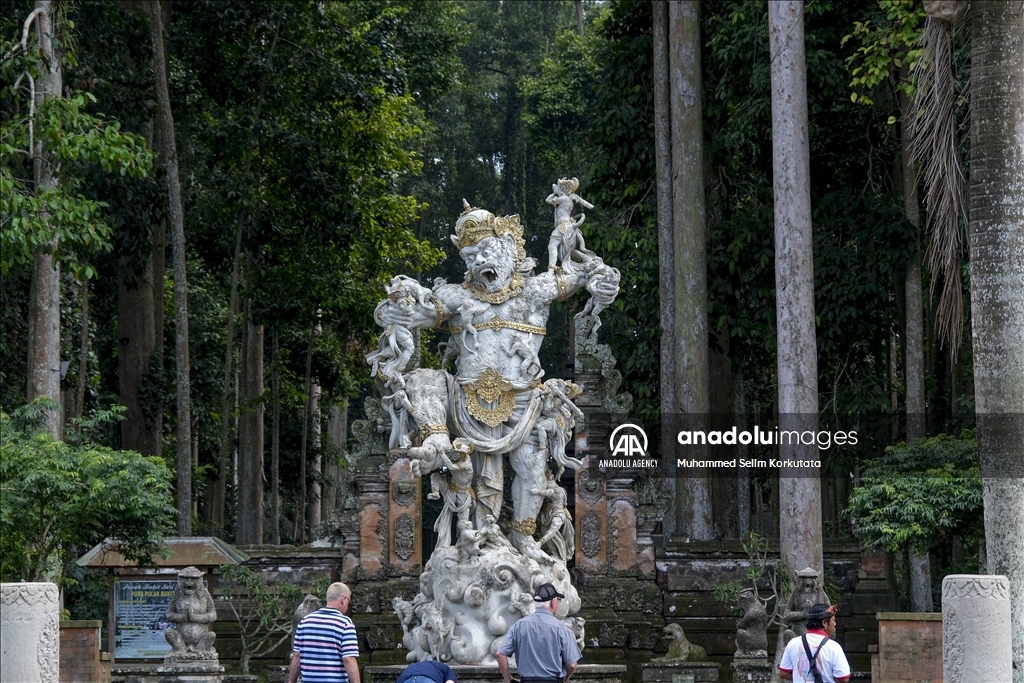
<point>220,492</point>
<point>693,493</point>
<point>913,339</point>
<point>249,516</point>
<point>313,511</point>
<point>136,332</point>
<point>275,441</point>
<point>666,262</point>
<point>579,18</point>
<point>165,124</point>
<point>514,150</point>
<point>300,506</point>
<point>83,352</point>
<point>44,292</point>
<point>337,434</point>
<point>997,289</point>
<point>913,344</point>
<point>739,411</point>
<point>156,369</point>
<point>800,535</point>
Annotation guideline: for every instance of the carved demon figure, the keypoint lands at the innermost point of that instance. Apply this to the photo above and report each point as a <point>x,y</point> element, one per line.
<point>191,611</point>
<point>496,409</point>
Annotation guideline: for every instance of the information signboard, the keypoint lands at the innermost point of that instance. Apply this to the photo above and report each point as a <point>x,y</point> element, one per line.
<point>140,618</point>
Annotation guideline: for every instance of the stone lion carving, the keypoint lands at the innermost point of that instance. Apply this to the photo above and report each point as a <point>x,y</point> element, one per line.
<point>191,611</point>
<point>679,648</point>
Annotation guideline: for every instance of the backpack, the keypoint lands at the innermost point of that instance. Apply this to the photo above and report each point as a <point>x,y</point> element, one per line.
<point>813,659</point>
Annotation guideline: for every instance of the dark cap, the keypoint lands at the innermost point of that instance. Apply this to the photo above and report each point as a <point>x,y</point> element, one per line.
<point>820,612</point>
<point>547,592</point>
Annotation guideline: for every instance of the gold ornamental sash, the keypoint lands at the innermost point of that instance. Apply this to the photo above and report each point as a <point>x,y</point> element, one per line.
<point>490,386</point>
<point>500,323</point>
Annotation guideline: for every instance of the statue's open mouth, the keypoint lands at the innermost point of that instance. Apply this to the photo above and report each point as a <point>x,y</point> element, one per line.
<point>489,276</point>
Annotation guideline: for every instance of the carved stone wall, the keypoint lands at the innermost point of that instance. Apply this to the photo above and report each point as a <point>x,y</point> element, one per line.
<point>29,632</point>
<point>406,551</point>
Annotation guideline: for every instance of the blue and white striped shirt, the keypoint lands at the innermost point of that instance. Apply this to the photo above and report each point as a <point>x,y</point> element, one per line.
<point>322,639</point>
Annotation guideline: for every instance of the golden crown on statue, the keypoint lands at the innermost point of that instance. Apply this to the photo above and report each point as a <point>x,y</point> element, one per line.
<point>477,224</point>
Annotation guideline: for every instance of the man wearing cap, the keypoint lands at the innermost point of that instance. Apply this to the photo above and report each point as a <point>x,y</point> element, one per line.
<point>817,647</point>
<point>545,648</point>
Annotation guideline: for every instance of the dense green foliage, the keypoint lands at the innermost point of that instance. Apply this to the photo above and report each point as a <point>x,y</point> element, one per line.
<point>326,146</point>
<point>62,497</point>
<point>920,496</point>
<point>62,219</point>
<point>861,239</point>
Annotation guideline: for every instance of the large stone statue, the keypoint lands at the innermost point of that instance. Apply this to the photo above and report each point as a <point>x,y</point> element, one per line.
<point>495,408</point>
<point>807,592</point>
<point>191,611</point>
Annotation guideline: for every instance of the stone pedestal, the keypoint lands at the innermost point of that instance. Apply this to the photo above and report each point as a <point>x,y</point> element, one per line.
<point>29,633</point>
<point>682,672</point>
<point>909,647</point>
<point>585,673</point>
<point>751,671</point>
<point>182,672</point>
<point>976,643</point>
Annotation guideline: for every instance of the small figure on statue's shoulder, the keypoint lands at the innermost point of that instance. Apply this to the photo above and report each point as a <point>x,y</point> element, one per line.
<point>566,238</point>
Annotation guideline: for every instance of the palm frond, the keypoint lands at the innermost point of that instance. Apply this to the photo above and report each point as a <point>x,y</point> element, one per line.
<point>935,146</point>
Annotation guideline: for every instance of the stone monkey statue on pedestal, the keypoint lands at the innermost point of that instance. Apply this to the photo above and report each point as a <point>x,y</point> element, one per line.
<point>191,611</point>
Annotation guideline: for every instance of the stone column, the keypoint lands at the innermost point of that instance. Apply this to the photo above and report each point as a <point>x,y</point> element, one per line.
<point>976,639</point>
<point>29,632</point>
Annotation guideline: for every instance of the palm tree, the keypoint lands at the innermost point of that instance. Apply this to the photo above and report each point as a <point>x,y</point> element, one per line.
<point>997,287</point>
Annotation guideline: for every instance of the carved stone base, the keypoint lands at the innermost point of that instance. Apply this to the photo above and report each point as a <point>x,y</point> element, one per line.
<point>683,672</point>
<point>177,658</point>
<point>469,598</point>
<point>182,672</point>
<point>751,671</point>
<point>185,672</point>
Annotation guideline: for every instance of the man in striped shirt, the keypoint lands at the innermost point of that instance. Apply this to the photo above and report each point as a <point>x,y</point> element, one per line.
<point>325,646</point>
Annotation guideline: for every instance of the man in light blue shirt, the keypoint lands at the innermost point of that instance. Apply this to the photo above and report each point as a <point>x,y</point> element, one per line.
<point>544,647</point>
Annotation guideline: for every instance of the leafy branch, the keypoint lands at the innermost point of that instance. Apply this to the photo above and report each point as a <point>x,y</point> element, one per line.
<point>767,578</point>
<point>263,611</point>
<point>889,42</point>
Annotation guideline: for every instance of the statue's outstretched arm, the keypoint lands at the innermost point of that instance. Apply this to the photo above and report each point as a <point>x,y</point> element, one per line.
<point>428,311</point>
